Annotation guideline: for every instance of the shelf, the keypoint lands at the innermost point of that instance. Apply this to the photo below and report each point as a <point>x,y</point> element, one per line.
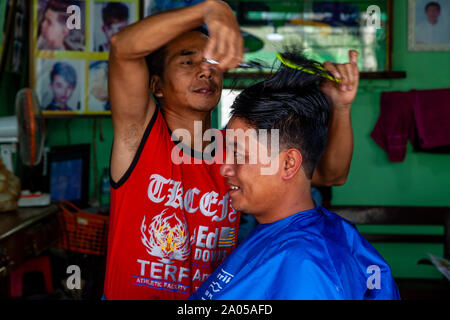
<point>363,75</point>
<point>384,75</point>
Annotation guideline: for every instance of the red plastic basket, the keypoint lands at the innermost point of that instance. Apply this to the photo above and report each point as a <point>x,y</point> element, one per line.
<point>82,231</point>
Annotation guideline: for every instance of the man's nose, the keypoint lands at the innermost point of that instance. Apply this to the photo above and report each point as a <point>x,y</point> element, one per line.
<point>206,69</point>
<point>226,170</point>
<point>206,73</point>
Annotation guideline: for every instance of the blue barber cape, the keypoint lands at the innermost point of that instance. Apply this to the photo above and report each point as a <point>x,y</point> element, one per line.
<point>313,254</point>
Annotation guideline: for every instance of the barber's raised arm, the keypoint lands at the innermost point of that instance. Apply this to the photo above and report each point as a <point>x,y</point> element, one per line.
<point>131,104</point>
<point>334,166</point>
<point>130,99</point>
<point>128,74</point>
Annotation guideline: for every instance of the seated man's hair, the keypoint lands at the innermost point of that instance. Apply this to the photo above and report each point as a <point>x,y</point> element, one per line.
<point>66,71</point>
<point>291,101</point>
<point>114,11</point>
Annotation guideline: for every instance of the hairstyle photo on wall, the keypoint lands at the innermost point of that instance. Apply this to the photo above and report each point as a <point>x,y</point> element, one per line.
<point>98,86</point>
<point>59,84</point>
<point>53,33</point>
<point>108,18</point>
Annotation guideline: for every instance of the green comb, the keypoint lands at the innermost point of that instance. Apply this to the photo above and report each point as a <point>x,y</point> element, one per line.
<point>292,65</point>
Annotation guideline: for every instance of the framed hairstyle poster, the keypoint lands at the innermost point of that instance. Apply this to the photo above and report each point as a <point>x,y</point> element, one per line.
<point>155,6</point>
<point>429,25</point>
<point>323,29</point>
<point>13,35</point>
<point>69,52</point>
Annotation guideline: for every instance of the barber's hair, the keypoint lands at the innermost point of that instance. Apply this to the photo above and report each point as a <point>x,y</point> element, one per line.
<point>291,101</point>
<point>66,71</point>
<point>114,11</point>
<point>433,3</point>
<point>155,60</point>
<point>59,6</point>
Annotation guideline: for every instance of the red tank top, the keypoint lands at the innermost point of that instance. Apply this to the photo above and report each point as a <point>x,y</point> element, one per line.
<point>171,224</point>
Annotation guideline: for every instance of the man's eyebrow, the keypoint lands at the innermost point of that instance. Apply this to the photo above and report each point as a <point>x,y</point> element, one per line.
<point>187,52</point>
<point>182,53</point>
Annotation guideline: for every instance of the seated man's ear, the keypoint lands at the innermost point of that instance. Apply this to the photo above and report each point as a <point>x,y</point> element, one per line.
<point>292,162</point>
<point>156,86</point>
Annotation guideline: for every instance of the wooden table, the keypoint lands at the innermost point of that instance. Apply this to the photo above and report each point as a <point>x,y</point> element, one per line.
<point>26,233</point>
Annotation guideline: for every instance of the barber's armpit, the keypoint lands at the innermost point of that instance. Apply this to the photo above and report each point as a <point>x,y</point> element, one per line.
<point>132,137</point>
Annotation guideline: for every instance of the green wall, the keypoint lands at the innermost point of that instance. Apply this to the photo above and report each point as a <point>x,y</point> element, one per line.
<point>421,179</point>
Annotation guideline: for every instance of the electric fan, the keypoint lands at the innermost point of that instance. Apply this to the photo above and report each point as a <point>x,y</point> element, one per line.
<point>31,129</point>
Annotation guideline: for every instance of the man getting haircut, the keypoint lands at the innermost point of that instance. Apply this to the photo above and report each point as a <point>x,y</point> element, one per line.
<point>299,250</point>
<point>63,80</point>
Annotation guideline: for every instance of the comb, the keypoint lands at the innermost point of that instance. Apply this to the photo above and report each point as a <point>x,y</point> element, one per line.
<point>292,65</point>
<point>245,65</point>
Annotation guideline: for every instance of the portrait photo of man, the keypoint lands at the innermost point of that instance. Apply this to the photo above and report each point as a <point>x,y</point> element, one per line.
<point>53,32</point>
<point>98,86</point>
<point>432,22</point>
<point>59,84</point>
<point>108,18</point>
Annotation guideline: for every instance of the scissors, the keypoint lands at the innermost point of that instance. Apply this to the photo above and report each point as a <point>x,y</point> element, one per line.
<point>245,65</point>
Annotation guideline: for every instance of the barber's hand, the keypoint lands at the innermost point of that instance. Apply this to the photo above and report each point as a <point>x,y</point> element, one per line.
<point>225,44</point>
<point>342,94</point>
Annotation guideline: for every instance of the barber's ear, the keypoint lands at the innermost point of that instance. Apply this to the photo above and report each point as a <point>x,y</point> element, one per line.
<point>155,86</point>
<point>292,162</point>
